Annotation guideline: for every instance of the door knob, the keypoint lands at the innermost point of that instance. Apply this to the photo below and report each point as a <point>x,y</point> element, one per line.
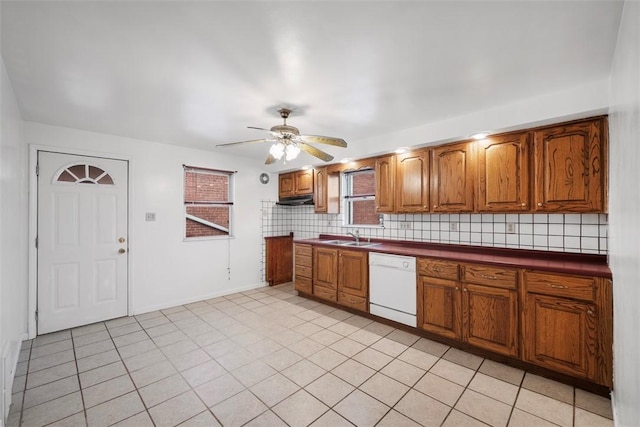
<point>122,250</point>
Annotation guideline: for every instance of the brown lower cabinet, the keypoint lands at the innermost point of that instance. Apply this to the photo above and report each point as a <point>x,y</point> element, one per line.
<point>566,320</point>
<point>303,274</point>
<point>341,276</point>
<point>561,322</point>
<point>469,303</point>
<point>567,324</point>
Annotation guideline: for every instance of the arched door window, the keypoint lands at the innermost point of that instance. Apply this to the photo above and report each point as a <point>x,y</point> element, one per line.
<point>84,174</point>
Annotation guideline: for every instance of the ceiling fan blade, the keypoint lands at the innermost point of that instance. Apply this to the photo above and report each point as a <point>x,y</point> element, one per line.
<point>270,159</point>
<point>315,152</point>
<point>338,142</point>
<point>242,142</point>
<point>257,128</point>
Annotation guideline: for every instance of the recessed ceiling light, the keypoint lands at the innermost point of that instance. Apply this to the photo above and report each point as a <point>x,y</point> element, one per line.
<point>401,150</point>
<point>480,135</point>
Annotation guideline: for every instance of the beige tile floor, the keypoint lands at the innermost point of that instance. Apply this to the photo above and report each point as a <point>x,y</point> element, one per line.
<point>270,358</point>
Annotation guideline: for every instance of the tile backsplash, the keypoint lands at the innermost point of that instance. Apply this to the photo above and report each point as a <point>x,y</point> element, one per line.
<point>577,233</point>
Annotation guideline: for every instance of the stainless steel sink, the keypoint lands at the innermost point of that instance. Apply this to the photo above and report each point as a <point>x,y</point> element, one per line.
<point>360,244</point>
<point>349,243</point>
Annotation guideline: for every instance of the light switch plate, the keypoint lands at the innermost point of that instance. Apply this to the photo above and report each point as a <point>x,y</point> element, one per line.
<point>150,216</point>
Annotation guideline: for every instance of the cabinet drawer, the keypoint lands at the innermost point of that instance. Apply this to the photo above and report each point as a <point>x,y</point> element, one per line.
<point>304,250</point>
<point>302,260</point>
<point>303,271</point>
<point>353,301</point>
<point>325,293</point>
<point>303,284</point>
<point>577,287</point>
<point>435,268</point>
<point>491,276</point>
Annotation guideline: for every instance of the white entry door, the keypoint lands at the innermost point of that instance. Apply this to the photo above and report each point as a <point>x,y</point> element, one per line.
<point>82,240</point>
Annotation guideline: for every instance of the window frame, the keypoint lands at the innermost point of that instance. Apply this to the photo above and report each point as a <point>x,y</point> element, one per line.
<point>228,204</point>
<point>348,199</point>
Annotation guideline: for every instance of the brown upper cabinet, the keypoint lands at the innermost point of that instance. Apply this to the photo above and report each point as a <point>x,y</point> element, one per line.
<point>570,167</point>
<point>412,181</point>
<point>452,178</point>
<point>503,173</point>
<point>385,183</point>
<point>298,183</point>
<point>327,191</point>
<point>559,168</point>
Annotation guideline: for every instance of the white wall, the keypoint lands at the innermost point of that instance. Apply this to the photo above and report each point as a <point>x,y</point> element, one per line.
<point>165,270</point>
<point>13,238</point>
<point>572,103</point>
<point>624,220</point>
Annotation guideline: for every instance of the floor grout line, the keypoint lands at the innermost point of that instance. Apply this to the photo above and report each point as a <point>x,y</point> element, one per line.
<point>236,317</point>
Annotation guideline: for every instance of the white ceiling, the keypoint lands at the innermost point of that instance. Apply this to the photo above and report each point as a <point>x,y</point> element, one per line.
<point>197,73</point>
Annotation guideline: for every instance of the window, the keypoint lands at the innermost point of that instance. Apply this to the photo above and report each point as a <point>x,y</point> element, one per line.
<point>360,198</point>
<point>208,200</point>
<point>84,174</point>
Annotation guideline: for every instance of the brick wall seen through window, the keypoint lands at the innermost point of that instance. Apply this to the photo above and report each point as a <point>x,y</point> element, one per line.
<point>360,203</point>
<point>208,202</point>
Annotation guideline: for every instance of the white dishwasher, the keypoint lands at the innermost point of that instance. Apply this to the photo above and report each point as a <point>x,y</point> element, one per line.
<point>392,287</point>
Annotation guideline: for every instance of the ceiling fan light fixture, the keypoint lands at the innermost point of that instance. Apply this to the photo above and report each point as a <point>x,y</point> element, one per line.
<point>291,151</point>
<point>277,150</point>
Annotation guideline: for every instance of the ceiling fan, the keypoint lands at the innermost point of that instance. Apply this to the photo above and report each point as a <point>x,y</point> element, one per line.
<point>288,142</point>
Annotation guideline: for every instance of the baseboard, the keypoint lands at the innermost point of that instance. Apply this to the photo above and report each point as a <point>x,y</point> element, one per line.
<point>147,309</point>
<point>10,352</point>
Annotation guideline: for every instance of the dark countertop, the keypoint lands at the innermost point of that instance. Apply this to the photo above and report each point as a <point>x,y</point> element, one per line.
<point>559,262</point>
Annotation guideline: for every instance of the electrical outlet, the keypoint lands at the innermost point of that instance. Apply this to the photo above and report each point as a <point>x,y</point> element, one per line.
<point>511,228</point>
<point>150,216</point>
<point>405,225</point>
<point>453,226</point>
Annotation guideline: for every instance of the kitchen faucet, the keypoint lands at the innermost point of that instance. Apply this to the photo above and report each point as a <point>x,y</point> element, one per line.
<point>356,236</point>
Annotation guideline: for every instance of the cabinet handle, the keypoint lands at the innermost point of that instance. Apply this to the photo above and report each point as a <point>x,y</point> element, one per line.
<point>484,276</point>
<point>437,269</point>
<point>435,206</point>
<point>464,290</point>
<point>457,288</point>
<point>557,286</point>
<point>540,205</point>
<point>524,205</point>
<point>589,312</point>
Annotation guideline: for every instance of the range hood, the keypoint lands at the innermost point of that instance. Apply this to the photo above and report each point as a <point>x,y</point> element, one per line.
<point>296,200</point>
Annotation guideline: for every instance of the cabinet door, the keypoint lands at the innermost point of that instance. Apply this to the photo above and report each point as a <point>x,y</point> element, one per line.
<point>286,185</point>
<point>303,182</point>
<point>412,182</point>
<point>279,258</point>
<point>490,318</point>
<point>439,307</point>
<point>385,183</point>
<point>320,190</point>
<point>353,276</point>
<point>569,167</point>
<point>452,178</point>
<point>503,173</point>
<point>325,267</point>
<point>560,334</point>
